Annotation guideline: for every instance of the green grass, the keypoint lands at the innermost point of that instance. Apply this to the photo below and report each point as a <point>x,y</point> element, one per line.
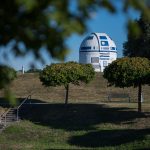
<point>78,126</point>
<point>88,122</point>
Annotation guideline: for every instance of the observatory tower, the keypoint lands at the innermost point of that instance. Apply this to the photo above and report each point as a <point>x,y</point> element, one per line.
<point>99,50</point>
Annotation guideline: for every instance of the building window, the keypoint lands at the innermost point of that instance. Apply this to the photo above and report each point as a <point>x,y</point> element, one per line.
<point>104,58</point>
<point>113,48</point>
<point>105,63</point>
<point>90,38</point>
<point>104,43</point>
<point>94,59</point>
<point>103,37</point>
<point>86,47</point>
<point>104,48</point>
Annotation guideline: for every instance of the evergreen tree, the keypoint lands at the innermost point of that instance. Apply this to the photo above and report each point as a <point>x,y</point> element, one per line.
<point>139,45</point>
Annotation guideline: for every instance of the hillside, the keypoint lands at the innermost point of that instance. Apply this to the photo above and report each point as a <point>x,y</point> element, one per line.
<point>88,123</point>
<point>94,92</point>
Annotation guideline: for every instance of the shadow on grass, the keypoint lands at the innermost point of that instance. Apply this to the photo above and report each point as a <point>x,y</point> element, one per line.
<point>109,137</point>
<point>76,116</point>
<point>7,104</point>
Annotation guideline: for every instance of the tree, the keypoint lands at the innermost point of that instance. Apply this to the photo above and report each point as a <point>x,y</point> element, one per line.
<point>66,73</point>
<point>34,25</point>
<point>33,70</point>
<point>139,46</point>
<point>126,72</point>
<point>7,74</point>
<point>30,25</point>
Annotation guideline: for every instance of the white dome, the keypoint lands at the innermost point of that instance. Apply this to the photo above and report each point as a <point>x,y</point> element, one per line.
<point>99,50</point>
<point>98,42</point>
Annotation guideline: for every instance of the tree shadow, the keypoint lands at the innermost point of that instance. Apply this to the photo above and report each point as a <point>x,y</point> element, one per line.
<point>109,137</point>
<point>7,104</point>
<point>76,116</point>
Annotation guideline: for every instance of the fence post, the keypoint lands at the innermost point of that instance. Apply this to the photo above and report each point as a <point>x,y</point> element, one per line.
<point>17,114</point>
<point>30,99</point>
<point>5,120</point>
<point>129,99</point>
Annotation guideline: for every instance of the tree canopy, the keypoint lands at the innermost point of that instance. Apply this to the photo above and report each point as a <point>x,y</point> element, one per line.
<point>7,74</point>
<point>66,73</point>
<point>126,72</point>
<point>30,25</point>
<point>139,46</point>
<point>34,25</point>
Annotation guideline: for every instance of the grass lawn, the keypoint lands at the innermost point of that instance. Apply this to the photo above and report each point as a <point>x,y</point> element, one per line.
<point>88,122</point>
<point>79,126</point>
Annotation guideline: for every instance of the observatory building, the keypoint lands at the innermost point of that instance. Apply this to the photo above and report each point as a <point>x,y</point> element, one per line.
<point>99,50</point>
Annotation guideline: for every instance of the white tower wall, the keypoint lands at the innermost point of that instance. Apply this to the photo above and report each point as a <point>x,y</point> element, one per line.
<point>99,50</point>
<point>22,69</point>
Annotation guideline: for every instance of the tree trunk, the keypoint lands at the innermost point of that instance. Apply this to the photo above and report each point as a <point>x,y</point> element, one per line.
<point>67,91</point>
<point>139,97</point>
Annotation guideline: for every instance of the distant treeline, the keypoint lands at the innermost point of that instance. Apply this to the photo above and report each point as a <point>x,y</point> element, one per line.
<point>33,70</point>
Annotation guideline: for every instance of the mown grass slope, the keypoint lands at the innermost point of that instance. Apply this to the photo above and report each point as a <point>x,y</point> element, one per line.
<point>94,92</point>
<point>88,122</point>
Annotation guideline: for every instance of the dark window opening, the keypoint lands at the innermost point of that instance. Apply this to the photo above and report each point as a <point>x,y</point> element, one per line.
<point>103,37</point>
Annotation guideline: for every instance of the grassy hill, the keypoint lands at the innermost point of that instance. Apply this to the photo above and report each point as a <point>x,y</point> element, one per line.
<point>94,92</point>
<point>88,122</point>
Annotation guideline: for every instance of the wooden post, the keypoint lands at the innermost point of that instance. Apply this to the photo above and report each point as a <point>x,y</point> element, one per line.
<point>139,97</point>
<point>67,91</point>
